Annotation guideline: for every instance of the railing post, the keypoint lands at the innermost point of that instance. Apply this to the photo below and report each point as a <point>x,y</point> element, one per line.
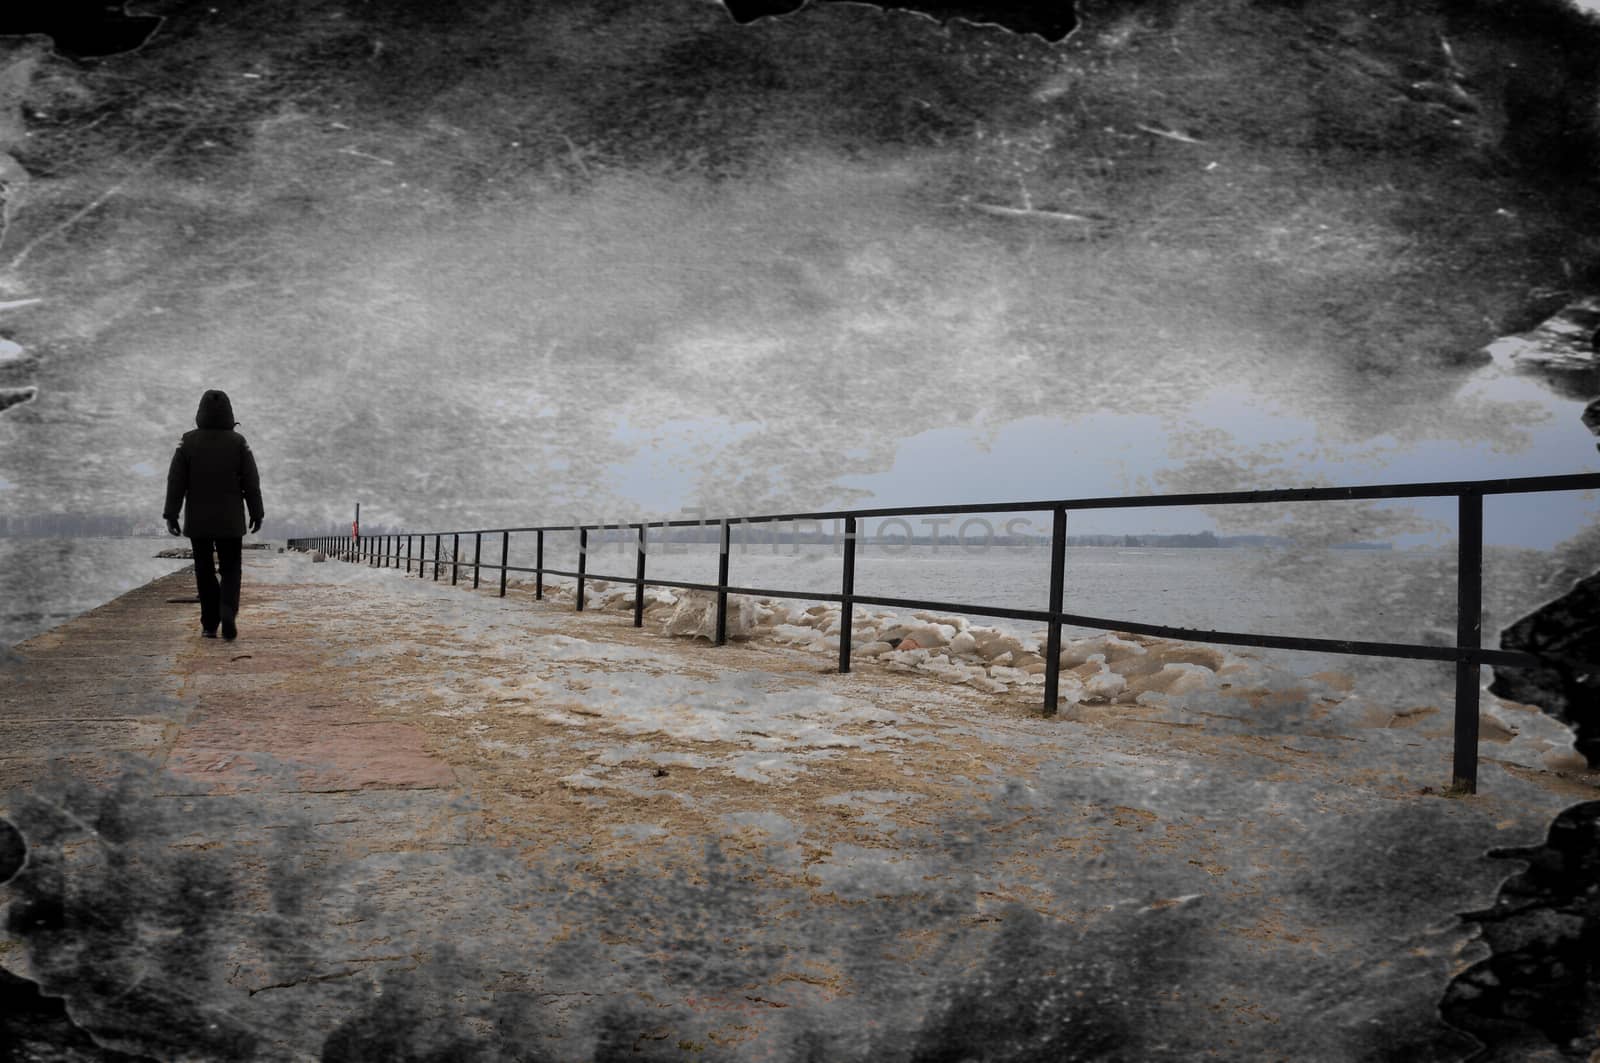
<point>477,556</point>
<point>409,537</point>
<point>1469,631</point>
<point>583,562</point>
<point>505,559</point>
<point>455,557</point>
<point>722,587</point>
<point>847,589</point>
<point>436,558</point>
<point>638,583</point>
<point>538,566</point>
<point>1052,653</point>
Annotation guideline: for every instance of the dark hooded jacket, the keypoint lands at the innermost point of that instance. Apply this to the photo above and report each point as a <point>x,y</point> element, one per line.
<point>213,475</point>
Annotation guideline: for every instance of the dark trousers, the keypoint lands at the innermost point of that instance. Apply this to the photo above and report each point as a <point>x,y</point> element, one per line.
<point>217,603</point>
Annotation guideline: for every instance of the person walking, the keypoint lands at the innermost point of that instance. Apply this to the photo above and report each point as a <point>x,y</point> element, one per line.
<point>211,475</point>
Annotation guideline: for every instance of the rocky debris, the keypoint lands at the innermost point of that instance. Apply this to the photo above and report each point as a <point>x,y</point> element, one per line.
<point>1566,635</point>
<point>1540,986</point>
<point>10,397</point>
<point>1563,349</point>
<point>318,555</point>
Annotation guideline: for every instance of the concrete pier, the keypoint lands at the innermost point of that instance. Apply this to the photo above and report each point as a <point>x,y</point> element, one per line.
<point>399,813</point>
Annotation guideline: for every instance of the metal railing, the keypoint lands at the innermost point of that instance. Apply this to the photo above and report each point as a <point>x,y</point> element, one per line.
<point>1467,653</point>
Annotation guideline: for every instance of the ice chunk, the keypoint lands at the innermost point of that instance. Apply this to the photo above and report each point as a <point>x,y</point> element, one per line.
<point>929,636</point>
<point>992,644</point>
<point>695,616</point>
<point>1104,684</point>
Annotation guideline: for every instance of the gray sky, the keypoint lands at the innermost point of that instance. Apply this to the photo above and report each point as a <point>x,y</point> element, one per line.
<point>1111,454</point>
<point>642,258</point>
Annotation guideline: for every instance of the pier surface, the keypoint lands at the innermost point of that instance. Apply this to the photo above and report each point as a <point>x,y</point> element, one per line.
<point>402,814</point>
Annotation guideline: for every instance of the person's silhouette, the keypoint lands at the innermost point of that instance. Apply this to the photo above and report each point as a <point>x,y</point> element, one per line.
<point>211,474</point>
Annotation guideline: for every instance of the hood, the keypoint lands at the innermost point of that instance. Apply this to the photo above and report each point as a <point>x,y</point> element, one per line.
<point>215,411</point>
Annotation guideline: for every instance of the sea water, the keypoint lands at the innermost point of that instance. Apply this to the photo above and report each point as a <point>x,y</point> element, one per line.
<point>46,582</point>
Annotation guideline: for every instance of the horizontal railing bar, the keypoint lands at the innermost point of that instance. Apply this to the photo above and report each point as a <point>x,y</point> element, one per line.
<point>819,596</point>
<point>1409,651</point>
<point>1041,615</point>
<point>590,577</point>
<point>712,587</point>
<point>1441,489</point>
<point>1400,650</point>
